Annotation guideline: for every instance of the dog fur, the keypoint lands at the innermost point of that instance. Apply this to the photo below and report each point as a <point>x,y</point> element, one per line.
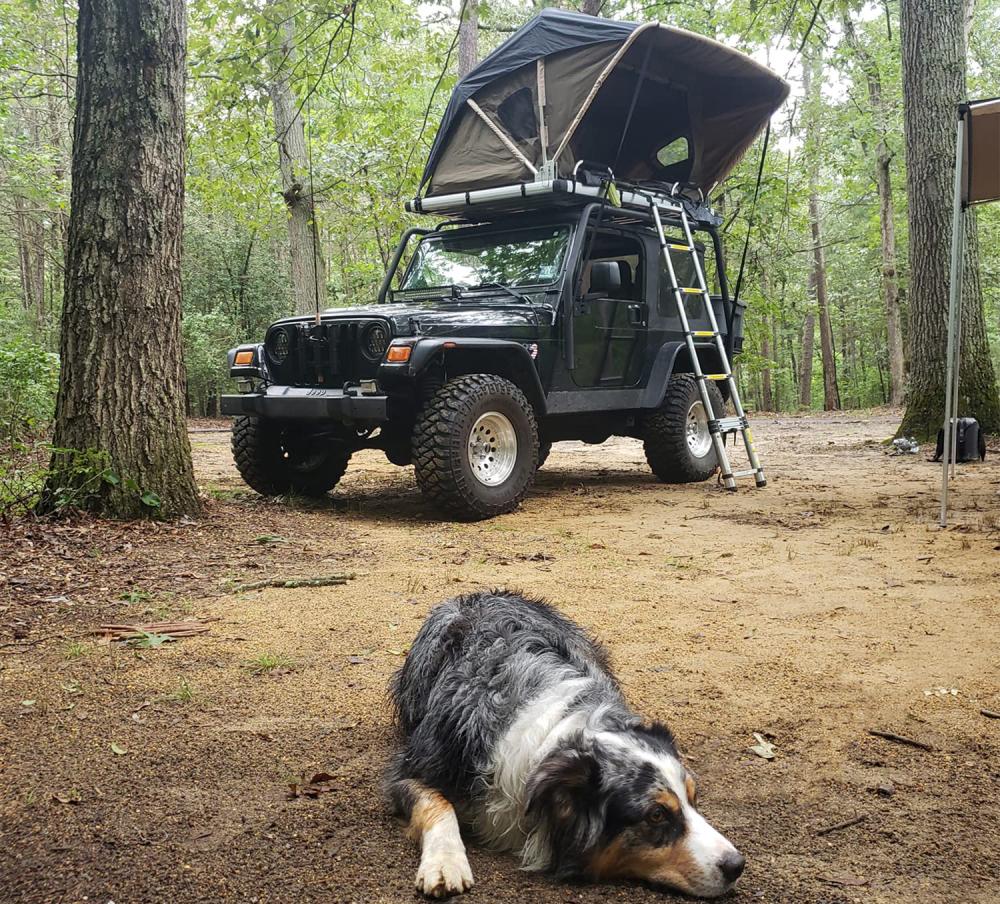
<point>513,727</point>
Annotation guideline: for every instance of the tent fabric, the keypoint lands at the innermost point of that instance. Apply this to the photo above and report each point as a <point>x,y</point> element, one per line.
<point>703,101</point>
<point>981,163</point>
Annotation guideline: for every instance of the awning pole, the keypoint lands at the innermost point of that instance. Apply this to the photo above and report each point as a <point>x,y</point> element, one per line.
<point>954,311</point>
<point>503,136</point>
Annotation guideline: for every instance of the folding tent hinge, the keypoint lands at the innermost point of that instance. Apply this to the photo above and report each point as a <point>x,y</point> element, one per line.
<point>547,172</point>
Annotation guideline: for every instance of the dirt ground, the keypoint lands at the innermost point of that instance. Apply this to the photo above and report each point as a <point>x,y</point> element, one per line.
<point>811,612</point>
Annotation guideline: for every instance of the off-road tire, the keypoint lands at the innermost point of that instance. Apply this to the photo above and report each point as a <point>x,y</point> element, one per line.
<point>261,453</point>
<point>543,453</point>
<point>441,439</point>
<point>664,434</point>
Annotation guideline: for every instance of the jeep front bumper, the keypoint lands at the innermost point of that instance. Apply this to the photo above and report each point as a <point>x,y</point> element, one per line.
<point>306,403</point>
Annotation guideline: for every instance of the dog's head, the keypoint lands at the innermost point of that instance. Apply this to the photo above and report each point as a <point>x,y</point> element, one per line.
<point>622,805</point>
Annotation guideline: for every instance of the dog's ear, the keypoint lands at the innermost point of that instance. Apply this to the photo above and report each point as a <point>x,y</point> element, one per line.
<point>563,785</point>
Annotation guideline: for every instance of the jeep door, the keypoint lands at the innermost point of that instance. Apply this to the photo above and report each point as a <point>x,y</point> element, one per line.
<point>609,314</point>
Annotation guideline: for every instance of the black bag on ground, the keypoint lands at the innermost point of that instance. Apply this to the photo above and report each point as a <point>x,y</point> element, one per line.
<point>971,441</point>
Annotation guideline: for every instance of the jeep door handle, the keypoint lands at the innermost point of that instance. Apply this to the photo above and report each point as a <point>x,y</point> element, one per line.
<point>637,314</point>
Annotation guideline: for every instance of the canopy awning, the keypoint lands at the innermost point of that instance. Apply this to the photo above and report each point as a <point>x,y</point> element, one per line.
<point>564,86</point>
<point>981,161</point>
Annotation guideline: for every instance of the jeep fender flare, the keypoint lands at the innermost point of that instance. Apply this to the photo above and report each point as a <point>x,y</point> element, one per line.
<point>672,358</point>
<point>460,355</point>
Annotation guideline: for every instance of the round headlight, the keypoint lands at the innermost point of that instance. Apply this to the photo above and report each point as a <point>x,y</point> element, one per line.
<point>278,344</point>
<point>375,341</point>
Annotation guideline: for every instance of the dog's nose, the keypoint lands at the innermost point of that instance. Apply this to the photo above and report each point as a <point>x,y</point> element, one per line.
<point>731,866</point>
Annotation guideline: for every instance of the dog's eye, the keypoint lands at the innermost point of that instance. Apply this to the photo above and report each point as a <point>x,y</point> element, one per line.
<point>657,814</point>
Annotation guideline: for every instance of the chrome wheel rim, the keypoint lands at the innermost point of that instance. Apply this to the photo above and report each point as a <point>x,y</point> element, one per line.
<point>492,448</point>
<point>696,432</point>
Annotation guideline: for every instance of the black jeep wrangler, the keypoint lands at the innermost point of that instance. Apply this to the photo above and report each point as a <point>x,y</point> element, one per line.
<point>505,332</point>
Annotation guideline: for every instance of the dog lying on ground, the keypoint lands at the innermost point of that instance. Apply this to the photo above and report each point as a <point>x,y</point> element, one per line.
<point>514,727</point>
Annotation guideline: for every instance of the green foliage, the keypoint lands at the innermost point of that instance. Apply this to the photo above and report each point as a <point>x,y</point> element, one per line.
<point>29,377</point>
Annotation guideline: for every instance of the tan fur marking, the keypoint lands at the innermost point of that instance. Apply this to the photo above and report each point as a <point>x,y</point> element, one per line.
<point>669,800</point>
<point>671,865</point>
<point>428,809</point>
<point>692,791</point>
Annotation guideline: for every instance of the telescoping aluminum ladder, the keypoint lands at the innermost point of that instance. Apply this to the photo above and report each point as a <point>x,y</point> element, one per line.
<point>718,426</point>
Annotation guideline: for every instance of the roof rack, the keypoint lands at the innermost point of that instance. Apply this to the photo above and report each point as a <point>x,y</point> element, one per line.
<point>522,197</point>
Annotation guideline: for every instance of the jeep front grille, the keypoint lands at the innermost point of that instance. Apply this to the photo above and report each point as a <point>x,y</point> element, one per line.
<point>330,353</point>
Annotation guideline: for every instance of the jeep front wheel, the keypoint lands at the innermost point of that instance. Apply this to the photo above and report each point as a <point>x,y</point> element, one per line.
<point>275,458</point>
<point>475,446</point>
<point>676,438</point>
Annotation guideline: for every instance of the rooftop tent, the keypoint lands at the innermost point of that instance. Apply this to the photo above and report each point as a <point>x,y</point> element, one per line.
<point>563,88</point>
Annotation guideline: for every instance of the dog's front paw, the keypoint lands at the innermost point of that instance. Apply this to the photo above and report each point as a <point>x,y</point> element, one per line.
<point>443,873</point>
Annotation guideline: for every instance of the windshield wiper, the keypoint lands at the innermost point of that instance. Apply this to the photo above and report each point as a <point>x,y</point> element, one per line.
<point>507,289</point>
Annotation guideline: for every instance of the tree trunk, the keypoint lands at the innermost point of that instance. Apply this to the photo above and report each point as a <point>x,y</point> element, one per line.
<point>120,407</point>
<point>308,269</point>
<point>468,39</point>
<point>812,72</point>
<point>767,398</point>
<point>883,181</point>
<point>591,7</point>
<point>806,359</point>
<point>932,35</point>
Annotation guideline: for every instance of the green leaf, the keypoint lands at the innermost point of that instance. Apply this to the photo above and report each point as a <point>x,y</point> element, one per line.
<point>110,477</point>
<point>150,499</point>
<point>117,749</point>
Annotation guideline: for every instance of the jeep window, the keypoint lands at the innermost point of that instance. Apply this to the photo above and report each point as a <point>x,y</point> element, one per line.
<point>694,307</point>
<point>529,257</point>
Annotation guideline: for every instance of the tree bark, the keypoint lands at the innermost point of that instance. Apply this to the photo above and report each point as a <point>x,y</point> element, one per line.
<point>120,406</point>
<point>883,181</point>
<point>932,34</point>
<point>468,39</point>
<point>307,267</point>
<point>591,7</point>
<point>811,75</point>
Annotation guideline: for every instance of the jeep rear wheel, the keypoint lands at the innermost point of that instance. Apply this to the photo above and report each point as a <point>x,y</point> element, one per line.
<point>276,458</point>
<point>475,446</point>
<point>676,438</point>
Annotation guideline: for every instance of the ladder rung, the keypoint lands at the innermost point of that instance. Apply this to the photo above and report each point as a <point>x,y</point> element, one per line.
<point>691,290</point>
<point>711,334</point>
<point>716,376</point>
<point>750,473</point>
<point>686,248</point>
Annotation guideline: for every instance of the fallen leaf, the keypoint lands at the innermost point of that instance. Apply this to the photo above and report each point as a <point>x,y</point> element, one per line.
<point>117,749</point>
<point>71,798</point>
<point>763,748</point>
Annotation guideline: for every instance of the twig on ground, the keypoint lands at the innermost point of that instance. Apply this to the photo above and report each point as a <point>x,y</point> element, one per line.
<point>989,713</point>
<point>899,739</point>
<point>837,826</point>
<point>325,581</point>
<point>21,643</point>
<point>173,629</point>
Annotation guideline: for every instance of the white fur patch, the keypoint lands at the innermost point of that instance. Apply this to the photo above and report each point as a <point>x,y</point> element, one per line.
<point>535,731</point>
<point>444,869</point>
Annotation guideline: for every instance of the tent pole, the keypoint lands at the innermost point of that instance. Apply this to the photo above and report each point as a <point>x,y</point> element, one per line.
<point>954,310</point>
<point>543,128</point>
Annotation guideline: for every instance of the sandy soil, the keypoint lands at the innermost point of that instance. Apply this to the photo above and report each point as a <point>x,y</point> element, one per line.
<point>815,610</point>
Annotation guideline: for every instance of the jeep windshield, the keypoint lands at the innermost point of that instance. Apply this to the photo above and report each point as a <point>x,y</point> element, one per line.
<point>529,257</point>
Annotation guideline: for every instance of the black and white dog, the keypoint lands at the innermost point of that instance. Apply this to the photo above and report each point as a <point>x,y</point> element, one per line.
<point>514,727</point>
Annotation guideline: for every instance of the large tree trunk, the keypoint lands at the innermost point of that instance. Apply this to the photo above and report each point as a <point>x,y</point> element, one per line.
<point>591,7</point>
<point>812,72</point>
<point>933,45</point>
<point>883,181</point>
<point>120,405</point>
<point>468,39</point>
<point>308,269</point>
